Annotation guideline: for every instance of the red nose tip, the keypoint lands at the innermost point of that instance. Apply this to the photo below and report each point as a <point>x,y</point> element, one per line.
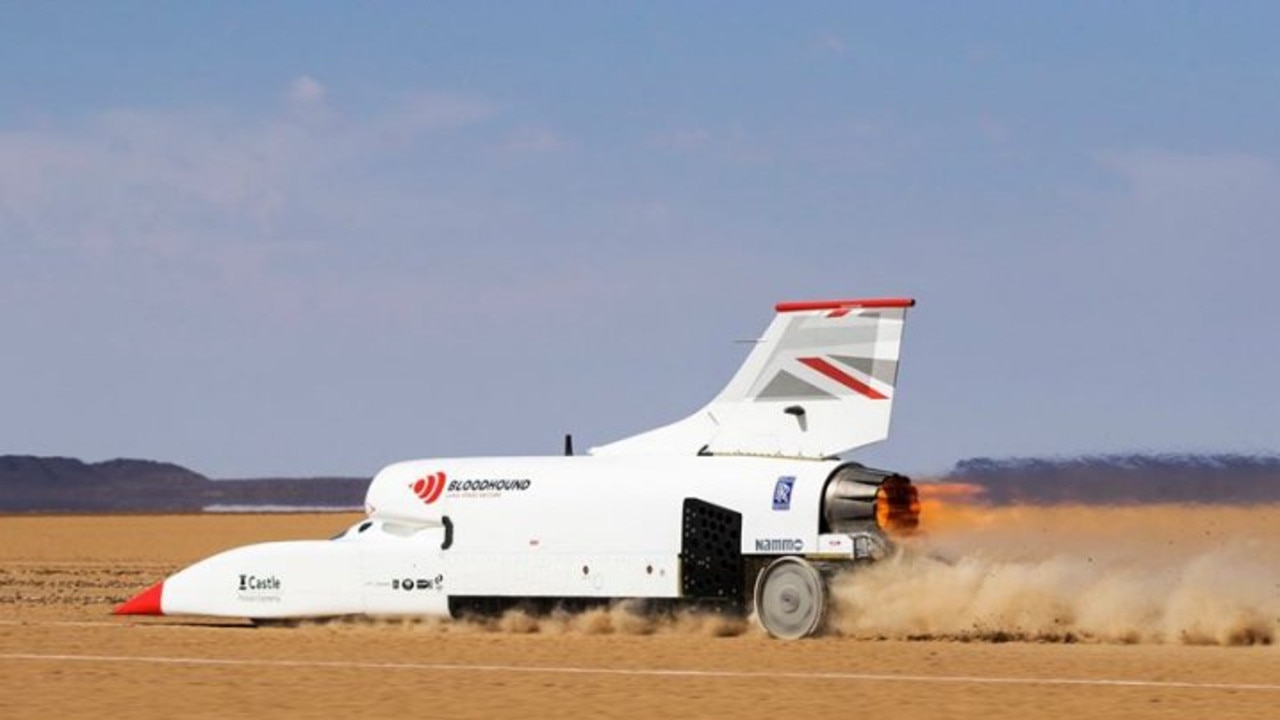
<point>146,602</point>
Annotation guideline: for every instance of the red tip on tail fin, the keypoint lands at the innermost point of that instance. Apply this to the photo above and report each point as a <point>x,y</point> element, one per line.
<point>802,305</point>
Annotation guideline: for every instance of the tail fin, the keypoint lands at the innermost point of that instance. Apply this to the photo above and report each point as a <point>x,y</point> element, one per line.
<point>818,384</point>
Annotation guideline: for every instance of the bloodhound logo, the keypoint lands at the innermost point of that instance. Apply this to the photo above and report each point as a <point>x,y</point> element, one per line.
<point>429,487</point>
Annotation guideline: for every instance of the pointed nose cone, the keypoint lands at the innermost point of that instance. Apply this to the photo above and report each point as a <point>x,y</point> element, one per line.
<point>146,602</point>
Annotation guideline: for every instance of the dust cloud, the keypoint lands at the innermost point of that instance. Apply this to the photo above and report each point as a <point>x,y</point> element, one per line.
<point>1181,574</point>
<point>618,618</point>
<point>1136,574</point>
<point>625,619</point>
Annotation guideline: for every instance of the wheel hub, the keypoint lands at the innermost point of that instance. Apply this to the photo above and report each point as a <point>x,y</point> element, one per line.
<point>791,598</point>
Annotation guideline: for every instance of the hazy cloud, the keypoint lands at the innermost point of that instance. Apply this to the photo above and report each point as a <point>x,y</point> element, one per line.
<point>535,140</point>
<point>145,180</point>
<point>1210,198</point>
<point>306,89</point>
<point>166,181</point>
<point>832,44</point>
<point>993,129</point>
<point>1177,177</point>
<point>683,139</point>
<point>426,112</point>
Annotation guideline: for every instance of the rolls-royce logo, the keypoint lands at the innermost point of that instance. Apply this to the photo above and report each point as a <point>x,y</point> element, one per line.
<point>782,492</point>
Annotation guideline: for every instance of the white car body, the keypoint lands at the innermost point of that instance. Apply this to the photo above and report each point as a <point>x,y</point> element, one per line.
<point>693,511</point>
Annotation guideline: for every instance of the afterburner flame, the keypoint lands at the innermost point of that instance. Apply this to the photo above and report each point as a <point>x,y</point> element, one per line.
<point>897,505</point>
<point>945,505</point>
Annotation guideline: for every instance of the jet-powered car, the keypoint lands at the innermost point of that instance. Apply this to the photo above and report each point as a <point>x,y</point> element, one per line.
<point>745,504</point>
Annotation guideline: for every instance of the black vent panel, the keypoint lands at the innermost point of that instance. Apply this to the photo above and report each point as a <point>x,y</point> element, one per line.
<point>711,561</point>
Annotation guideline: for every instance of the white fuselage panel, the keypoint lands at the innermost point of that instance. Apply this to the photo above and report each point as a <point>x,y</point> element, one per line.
<point>593,526</point>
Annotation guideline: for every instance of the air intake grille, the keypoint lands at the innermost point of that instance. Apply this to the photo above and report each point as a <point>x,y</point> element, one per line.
<point>711,552</point>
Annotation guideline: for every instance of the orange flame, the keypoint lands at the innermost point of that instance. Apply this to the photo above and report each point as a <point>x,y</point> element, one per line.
<point>950,504</point>
<point>932,491</point>
<point>897,505</point>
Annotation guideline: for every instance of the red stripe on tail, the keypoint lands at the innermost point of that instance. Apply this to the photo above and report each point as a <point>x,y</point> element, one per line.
<point>843,378</point>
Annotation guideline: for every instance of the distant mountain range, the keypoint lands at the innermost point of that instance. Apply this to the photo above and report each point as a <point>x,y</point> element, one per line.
<point>58,484</point>
<point>1124,479</point>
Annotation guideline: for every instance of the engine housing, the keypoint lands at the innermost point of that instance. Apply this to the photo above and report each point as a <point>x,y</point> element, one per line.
<point>857,498</point>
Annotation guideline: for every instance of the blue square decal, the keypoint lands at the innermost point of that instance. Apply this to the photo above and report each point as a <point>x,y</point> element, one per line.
<point>782,492</point>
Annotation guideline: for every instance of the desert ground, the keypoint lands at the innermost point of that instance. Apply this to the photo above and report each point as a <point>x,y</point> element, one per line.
<point>1133,612</point>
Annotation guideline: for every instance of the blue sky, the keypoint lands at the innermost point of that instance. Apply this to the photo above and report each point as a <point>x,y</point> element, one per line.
<point>314,238</point>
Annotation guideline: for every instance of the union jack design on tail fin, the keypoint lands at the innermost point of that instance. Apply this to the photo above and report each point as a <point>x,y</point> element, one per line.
<point>819,383</point>
<point>860,356</point>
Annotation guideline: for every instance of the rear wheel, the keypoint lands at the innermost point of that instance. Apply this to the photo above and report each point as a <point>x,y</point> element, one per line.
<point>790,598</point>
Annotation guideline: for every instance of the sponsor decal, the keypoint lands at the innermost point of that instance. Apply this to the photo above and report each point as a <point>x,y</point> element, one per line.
<point>430,487</point>
<point>411,584</point>
<point>258,588</point>
<point>253,582</point>
<point>488,487</point>
<point>779,545</point>
<point>782,492</point>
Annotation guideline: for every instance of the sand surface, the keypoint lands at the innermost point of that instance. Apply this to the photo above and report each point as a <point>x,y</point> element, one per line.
<point>1018,612</point>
